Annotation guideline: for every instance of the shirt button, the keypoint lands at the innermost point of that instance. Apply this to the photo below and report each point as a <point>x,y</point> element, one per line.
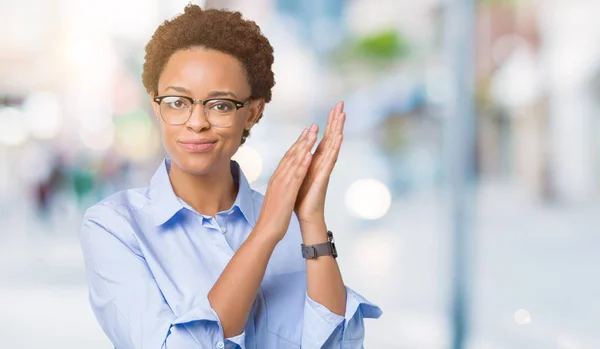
<point>223,229</point>
<point>220,345</point>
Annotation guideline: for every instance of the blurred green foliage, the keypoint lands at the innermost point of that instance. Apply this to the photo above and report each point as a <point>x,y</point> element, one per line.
<point>387,45</point>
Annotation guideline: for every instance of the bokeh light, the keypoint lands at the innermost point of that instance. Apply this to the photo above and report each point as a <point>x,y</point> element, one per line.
<point>522,317</point>
<point>99,139</point>
<point>13,130</point>
<point>135,137</point>
<point>250,161</point>
<point>374,252</point>
<point>43,115</point>
<point>368,199</point>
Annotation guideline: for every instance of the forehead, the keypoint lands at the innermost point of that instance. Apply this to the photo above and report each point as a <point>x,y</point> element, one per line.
<point>201,71</point>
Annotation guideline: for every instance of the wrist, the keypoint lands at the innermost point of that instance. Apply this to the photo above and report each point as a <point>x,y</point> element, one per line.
<point>262,242</point>
<point>317,220</point>
<point>314,233</point>
<point>265,236</point>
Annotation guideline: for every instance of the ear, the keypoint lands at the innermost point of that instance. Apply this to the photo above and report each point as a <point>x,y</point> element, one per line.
<point>256,108</point>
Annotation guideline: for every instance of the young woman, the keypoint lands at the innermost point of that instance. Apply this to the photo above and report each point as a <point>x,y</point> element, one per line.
<point>198,259</point>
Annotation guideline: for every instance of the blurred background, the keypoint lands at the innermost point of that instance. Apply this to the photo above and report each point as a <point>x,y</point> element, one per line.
<point>518,211</point>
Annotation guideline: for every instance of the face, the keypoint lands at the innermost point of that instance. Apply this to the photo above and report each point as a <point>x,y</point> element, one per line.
<point>203,74</point>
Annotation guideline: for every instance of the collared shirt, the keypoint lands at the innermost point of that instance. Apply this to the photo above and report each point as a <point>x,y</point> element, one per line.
<point>151,260</point>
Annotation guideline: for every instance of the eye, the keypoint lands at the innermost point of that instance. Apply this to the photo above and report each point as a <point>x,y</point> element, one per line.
<point>221,106</point>
<point>176,102</point>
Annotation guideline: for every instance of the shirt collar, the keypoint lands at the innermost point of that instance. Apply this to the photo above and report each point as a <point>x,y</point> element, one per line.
<point>165,204</point>
<point>243,201</point>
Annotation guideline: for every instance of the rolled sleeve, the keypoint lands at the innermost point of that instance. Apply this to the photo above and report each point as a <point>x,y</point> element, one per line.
<point>207,314</point>
<point>126,300</point>
<point>325,329</point>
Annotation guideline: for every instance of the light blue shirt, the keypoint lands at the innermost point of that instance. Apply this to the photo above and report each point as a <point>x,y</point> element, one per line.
<point>151,260</point>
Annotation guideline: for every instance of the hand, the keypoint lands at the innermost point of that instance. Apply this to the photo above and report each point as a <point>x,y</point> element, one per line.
<point>283,187</point>
<point>310,203</point>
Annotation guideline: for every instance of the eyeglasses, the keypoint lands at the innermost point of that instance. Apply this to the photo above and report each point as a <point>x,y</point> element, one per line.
<point>219,112</point>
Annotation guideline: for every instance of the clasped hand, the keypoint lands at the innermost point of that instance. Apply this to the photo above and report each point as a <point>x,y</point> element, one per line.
<point>299,184</point>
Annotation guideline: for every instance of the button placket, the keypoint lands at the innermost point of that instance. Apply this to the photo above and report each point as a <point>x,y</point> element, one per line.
<point>222,223</point>
<point>218,237</point>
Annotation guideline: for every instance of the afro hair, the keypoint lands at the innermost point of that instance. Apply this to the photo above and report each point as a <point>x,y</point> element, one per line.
<point>221,30</point>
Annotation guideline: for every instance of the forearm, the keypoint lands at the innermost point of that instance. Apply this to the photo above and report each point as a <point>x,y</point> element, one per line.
<point>324,279</point>
<point>234,292</point>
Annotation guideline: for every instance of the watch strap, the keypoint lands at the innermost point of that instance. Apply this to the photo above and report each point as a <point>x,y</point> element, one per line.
<point>323,249</point>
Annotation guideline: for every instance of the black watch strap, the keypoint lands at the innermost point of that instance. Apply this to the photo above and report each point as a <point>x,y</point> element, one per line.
<point>322,249</point>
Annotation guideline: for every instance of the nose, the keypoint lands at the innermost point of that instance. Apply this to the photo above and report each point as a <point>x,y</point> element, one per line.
<point>198,120</point>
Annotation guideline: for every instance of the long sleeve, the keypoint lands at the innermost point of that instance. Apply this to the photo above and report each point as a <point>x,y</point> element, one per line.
<point>126,299</point>
<point>324,329</point>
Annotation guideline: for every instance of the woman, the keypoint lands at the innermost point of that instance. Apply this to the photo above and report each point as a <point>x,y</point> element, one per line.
<point>198,259</point>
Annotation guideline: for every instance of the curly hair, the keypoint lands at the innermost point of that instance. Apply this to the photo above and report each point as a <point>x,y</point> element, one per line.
<point>221,30</point>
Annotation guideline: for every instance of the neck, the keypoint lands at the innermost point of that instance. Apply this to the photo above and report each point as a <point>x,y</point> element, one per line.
<point>209,193</point>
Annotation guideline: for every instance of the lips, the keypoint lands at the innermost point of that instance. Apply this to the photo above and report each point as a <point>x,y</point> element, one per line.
<point>198,141</point>
<point>197,146</point>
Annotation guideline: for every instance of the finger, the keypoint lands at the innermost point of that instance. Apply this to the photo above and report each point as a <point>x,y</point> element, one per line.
<point>334,129</point>
<point>331,150</point>
<point>291,153</point>
<point>328,128</point>
<point>295,155</point>
<point>297,144</point>
<point>330,120</point>
<point>293,167</point>
<point>298,151</point>
<point>339,108</point>
<point>329,159</point>
<point>334,154</point>
<point>333,118</point>
<point>307,145</point>
<point>314,128</point>
<point>341,122</point>
<point>296,169</point>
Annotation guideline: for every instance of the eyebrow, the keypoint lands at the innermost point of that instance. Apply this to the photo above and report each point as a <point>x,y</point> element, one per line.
<point>211,94</point>
<point>179,89</point>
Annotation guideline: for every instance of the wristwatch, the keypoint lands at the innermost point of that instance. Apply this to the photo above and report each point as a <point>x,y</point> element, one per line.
<point>322,249</point>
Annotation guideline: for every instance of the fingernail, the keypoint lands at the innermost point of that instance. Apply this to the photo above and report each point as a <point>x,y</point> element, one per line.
<point>313,127</point>
<point>303,133</point>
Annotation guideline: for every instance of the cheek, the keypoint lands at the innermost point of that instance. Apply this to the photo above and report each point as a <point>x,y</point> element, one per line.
<point>168,137</point>
<point>232,138</point>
